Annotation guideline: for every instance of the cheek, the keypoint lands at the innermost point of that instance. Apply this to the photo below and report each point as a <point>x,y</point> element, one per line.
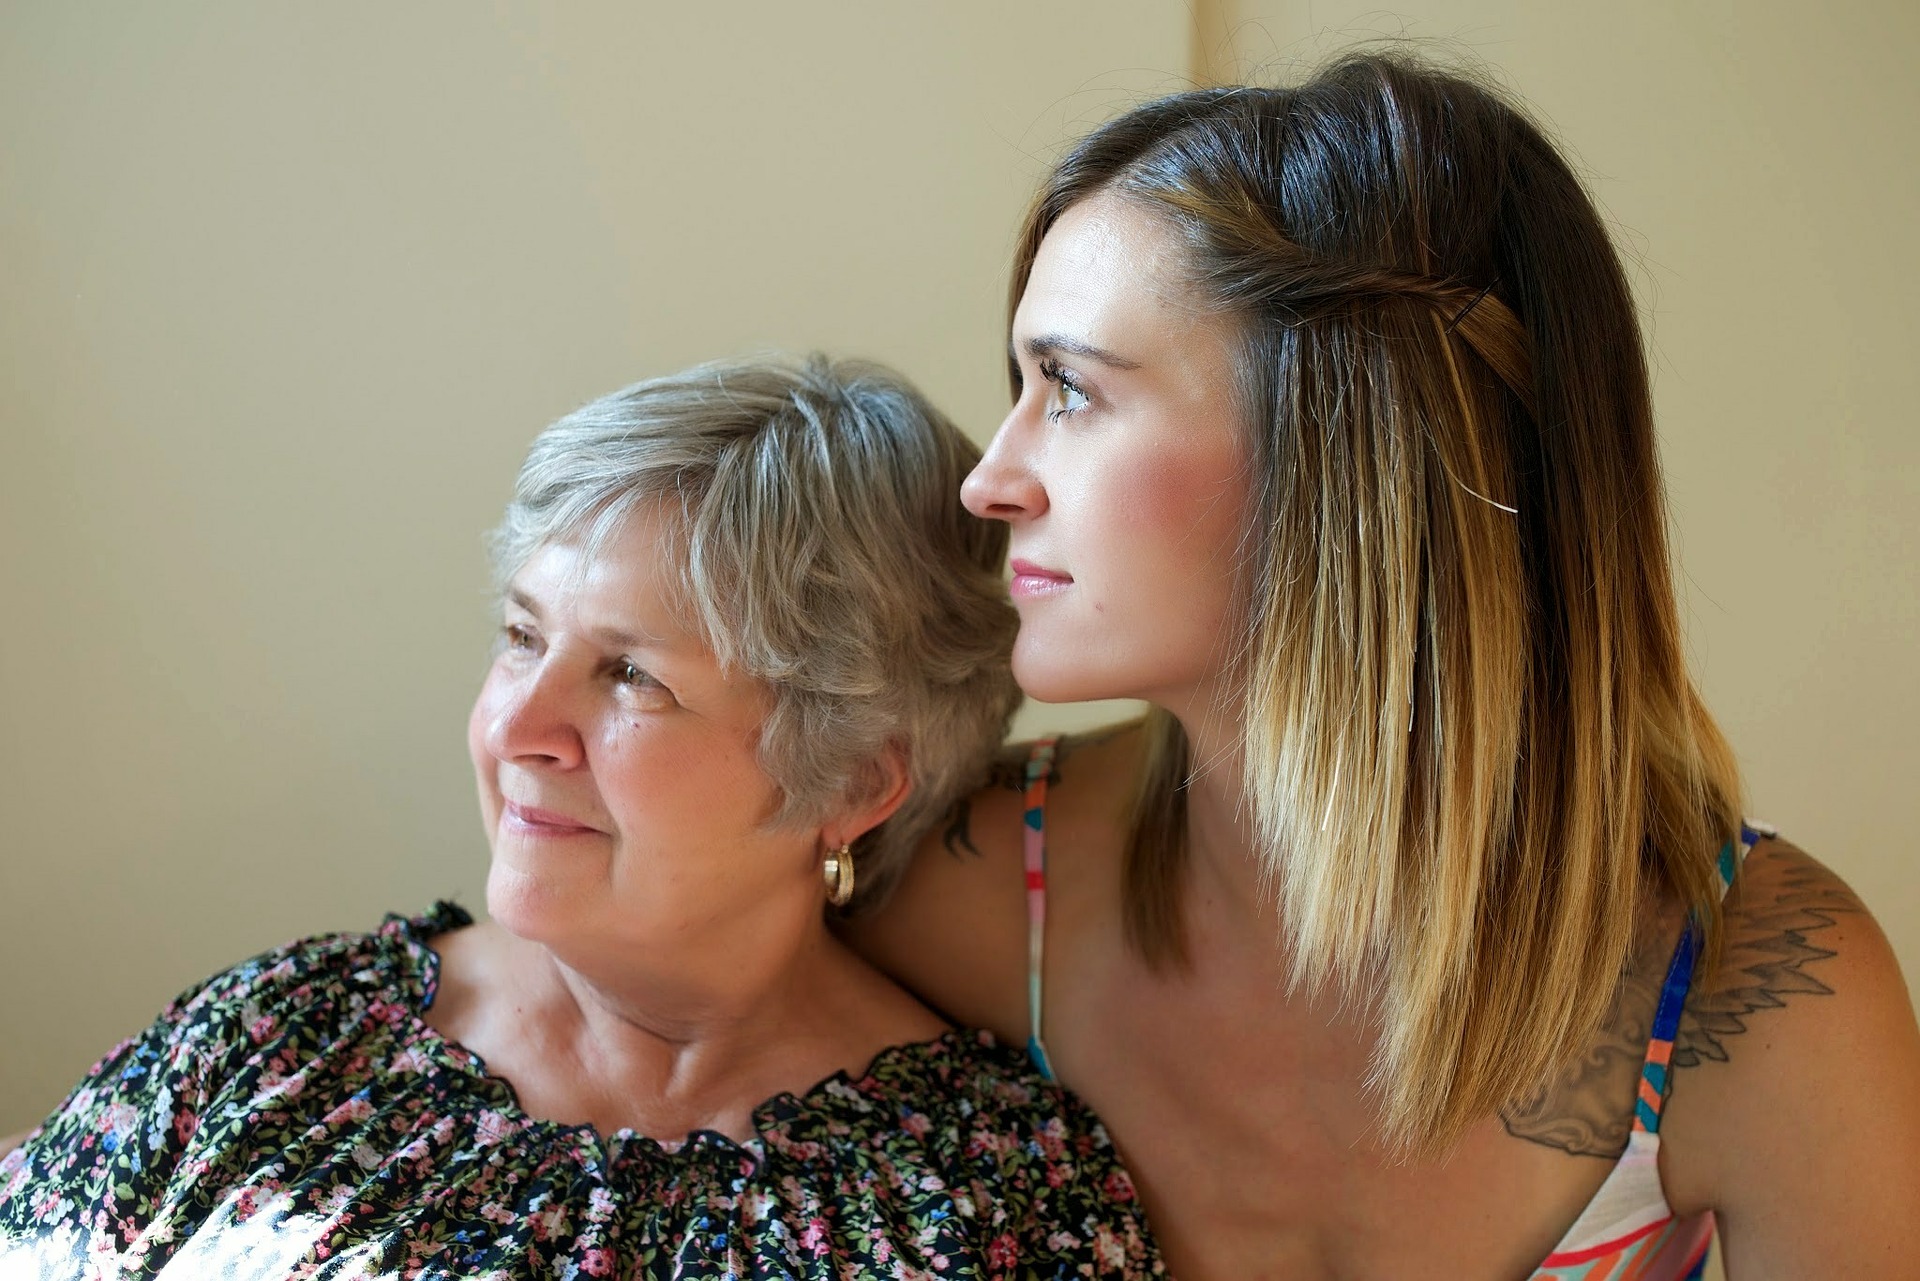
<point>477,722</point>
<point>1180,511</point>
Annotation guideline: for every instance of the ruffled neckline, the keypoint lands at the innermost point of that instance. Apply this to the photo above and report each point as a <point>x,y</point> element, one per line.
<point>839,1109</point>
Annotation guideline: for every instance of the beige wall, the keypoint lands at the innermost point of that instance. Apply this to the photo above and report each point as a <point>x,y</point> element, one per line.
<point>287,293</point>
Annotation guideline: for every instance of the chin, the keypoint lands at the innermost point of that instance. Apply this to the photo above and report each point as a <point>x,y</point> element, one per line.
<point>1050,680</point>
<point>528,906</point>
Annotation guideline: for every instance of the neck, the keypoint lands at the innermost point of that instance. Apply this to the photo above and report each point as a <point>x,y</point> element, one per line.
<point>1227,894</point>
<point>664,1051</point>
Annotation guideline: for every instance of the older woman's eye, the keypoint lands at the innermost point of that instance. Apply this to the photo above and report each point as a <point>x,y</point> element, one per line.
<point>628,673</point>
<point>517,638</point>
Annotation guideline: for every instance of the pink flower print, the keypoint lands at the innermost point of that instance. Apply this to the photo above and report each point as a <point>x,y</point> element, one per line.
<point>917,1124</point>
<point>550,1223</point>
<point>755,1208</point>
<point>814,1237</point>
<point>261,1029</point>
<point>186,1124</point>
<point>1108,1249</point>
<point>50,1207</point>
<point>1063,1241</point>
<point>352,1112</point>
<point>1002,1253</point>
<point>597,1262</point>
<point>492,1128</point>
<point>1118,1187</point>
<point>118,1120</point>
<point>411,1059</point>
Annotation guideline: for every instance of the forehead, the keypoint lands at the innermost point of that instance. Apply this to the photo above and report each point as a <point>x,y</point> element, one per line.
<point>628,579</point>
<point>1106,262</point>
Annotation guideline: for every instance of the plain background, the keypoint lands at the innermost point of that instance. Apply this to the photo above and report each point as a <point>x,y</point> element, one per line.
<point>288,290</point>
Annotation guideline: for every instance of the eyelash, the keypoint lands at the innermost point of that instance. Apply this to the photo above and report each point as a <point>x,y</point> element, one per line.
<point>519,639</point>
<point>639,678</point>
<point>1061,378</point>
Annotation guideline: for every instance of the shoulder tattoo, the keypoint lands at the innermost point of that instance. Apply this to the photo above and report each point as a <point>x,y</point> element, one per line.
<point>1773,934</point>
<point>1008,773</point>
<point>1772,937</point>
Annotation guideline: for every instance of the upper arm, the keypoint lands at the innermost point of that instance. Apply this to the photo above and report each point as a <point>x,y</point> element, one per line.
<point>954,930</point>
<point>1798,1114</point>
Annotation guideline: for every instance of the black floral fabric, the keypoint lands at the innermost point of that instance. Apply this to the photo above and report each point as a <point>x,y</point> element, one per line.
<point>294,1118</point>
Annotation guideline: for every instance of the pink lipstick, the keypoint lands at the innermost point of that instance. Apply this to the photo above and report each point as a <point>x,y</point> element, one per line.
<point>1031,580</point>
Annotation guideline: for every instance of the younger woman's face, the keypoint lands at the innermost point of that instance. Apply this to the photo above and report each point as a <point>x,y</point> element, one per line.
<point>1121,468</point>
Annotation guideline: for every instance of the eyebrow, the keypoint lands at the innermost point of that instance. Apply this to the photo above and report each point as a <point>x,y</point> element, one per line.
<point>1060,344</point>
<point>610,636</point>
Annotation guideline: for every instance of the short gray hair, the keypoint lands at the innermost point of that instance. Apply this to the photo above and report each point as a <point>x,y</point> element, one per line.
<point>825,553</point>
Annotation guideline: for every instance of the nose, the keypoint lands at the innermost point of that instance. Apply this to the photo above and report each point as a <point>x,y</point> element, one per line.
<point>526,718</point>
<point>1004,484</point>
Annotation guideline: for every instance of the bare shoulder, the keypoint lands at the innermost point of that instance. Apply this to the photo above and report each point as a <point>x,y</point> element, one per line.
<point>1800,951</point>
<point>1795,1110</point>
<point>954,932</point>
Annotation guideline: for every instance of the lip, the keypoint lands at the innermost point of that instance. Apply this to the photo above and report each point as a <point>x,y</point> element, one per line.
<point>530,821</point>
<point>1031,580</point>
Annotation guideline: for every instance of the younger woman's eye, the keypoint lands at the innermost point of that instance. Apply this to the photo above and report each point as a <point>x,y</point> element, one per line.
<point>1065,396</point>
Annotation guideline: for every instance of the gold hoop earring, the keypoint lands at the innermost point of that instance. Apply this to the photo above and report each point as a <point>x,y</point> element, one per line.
<point>839,873</point>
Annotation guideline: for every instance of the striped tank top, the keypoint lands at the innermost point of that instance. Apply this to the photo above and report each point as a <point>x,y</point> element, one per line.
<point>1627,1232</point>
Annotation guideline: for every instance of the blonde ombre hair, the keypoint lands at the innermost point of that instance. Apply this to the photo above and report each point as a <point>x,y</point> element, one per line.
<point>1471,748</point>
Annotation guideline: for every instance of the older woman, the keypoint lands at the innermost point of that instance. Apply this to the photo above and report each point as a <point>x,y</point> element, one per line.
<point>1394,944</point>
<point>749,644</point>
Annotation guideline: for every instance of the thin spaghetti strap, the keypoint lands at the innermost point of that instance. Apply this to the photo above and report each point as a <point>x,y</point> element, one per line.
<point>1034,834</point>
<point>1666,1025</point>
<point>1654,1070</point>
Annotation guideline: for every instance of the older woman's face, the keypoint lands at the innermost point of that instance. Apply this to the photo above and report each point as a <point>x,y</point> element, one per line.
<point>617,763</point>
<point>1120,468</point>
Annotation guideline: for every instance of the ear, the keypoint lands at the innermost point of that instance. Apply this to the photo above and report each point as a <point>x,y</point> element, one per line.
<point>886,787</point>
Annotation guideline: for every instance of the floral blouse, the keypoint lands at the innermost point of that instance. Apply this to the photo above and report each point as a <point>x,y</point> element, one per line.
<point>293,1117</point>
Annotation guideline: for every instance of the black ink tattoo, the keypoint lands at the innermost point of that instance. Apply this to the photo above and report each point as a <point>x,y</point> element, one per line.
<point>1588,1111</point>
<point>1766,953</point>
<point>958,836</point>
<point>1008,773</point>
